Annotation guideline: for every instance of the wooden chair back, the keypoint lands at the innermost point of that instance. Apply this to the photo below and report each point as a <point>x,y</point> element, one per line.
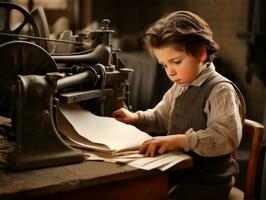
<point>253,131</point>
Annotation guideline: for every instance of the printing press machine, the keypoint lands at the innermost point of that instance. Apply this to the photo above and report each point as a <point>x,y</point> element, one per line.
<point>34,81</point>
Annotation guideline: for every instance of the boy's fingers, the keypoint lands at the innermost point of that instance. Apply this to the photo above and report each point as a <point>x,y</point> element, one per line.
<point>151,150</point>
<point>114,114</point>
<point>118,112</point>
<point>147,141</point>
<point>162,149</point>
<point>143,148</point>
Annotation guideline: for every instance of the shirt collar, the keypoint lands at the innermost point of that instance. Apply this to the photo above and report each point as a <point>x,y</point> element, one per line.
<point>204,74</point>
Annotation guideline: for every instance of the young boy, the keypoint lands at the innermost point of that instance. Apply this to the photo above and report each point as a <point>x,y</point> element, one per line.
<point>202,113</point>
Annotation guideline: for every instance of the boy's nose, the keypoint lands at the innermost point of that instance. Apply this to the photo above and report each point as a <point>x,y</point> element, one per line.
<point>171,71</point>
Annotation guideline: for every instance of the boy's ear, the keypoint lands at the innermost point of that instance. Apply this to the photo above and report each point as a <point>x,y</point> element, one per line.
<point>203,54</point>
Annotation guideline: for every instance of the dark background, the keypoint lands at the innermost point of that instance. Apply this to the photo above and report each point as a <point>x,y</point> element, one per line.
<point>239,27</point>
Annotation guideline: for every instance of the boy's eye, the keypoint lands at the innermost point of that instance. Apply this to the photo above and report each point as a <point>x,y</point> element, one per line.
<point>177,62</point>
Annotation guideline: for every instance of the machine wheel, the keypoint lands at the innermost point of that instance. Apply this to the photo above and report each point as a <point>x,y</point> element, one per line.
<point>20,58</point>
<point>7,12</point>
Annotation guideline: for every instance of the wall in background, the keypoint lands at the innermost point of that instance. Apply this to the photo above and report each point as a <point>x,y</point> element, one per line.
<point>227,18</point>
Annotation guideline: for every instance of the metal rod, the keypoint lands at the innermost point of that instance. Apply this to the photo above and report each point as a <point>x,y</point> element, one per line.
<point>86,77</point>
<point>40,38</point>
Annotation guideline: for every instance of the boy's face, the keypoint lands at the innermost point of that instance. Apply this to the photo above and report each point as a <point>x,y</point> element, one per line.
<point>180,67</point>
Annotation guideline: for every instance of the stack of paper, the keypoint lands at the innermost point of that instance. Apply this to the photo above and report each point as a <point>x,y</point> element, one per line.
<point>105,138</point>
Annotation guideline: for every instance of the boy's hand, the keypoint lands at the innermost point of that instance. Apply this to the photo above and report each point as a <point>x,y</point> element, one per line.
<point>162,144</point>
<point>125,116</point>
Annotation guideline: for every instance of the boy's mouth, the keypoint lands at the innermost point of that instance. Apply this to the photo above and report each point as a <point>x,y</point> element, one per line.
<point>181,83</point>
<point>178,81</point>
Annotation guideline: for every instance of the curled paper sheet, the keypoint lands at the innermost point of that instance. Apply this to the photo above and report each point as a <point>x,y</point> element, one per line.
<point>105,138</point>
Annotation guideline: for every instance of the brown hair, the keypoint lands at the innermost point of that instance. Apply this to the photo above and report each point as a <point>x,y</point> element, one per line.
<point>181,28</point>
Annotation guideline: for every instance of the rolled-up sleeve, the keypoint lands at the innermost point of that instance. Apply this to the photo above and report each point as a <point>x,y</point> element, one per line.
<point>224,125</point>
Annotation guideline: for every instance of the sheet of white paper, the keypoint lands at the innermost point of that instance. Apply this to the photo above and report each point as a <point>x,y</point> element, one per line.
<point>65,128</point>
<point>163,163</point>
<point>110,140</point>
<point>133,156</point>
<point>103,130</point>
<point>147,160</point>
<point>79,144</point>
<point>180,158</point>
<point>156,163</point>
<point>92,155</point>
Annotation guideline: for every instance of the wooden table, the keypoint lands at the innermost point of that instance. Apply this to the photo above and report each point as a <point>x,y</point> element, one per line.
<point>87,180</point>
